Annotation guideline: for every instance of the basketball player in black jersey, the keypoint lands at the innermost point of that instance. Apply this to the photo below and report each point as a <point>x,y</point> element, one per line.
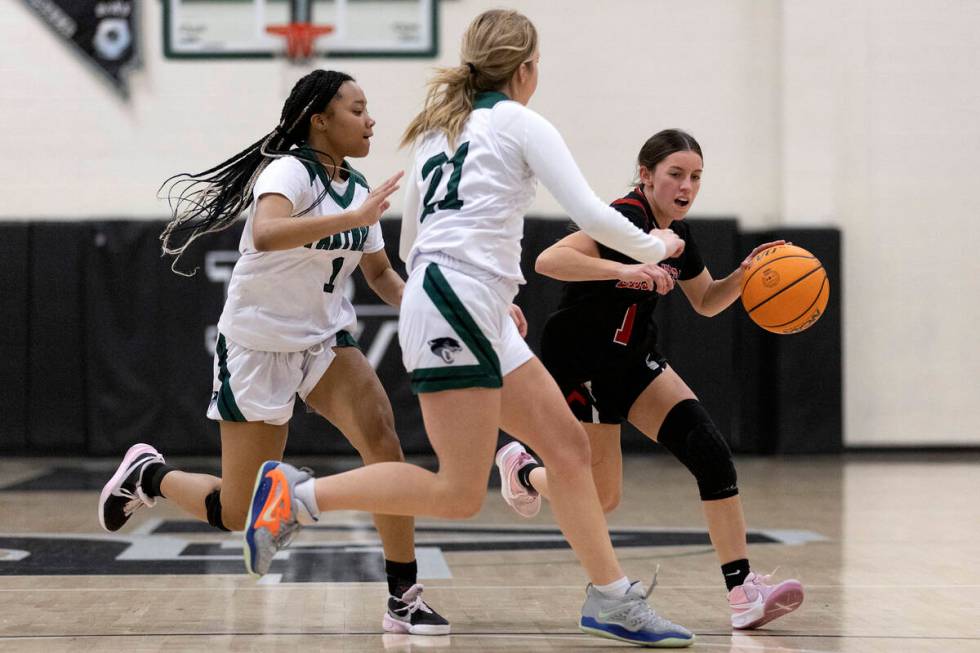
<point>601,347</point>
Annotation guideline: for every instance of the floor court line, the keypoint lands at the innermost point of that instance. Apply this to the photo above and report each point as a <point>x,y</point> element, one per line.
<point>456,588</point>
<point>522,635</point>
<point>862,597</point>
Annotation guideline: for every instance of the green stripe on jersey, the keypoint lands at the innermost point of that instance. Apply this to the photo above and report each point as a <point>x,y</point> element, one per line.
<point>487,99</point>
<point>355,175</point>
<point>345,339</point>
<point>486,373</point>
<point>434,379</point>
<point>316,170</point>
<point>227,406</point>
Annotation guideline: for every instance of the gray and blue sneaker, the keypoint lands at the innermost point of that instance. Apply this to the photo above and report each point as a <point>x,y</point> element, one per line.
<point>275,514</point>
<point>630,619</point>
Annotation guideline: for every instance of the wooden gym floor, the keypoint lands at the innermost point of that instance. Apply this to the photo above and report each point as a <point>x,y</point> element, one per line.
<point>886,546</point>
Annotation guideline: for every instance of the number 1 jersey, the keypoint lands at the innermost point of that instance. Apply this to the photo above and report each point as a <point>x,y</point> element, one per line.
<point>292,300</point>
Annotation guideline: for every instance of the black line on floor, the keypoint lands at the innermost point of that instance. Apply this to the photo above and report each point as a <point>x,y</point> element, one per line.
<point>484,634</point>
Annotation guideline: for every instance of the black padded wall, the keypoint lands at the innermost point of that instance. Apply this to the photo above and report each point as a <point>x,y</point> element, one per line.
<point>791,385</point>
<point>149,366</point>
<point>56,367</point>
<point>15,335</point>
<point>104,346</point>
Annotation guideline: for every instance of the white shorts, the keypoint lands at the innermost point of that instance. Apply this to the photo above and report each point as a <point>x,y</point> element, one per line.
<point>456,331</point>
<point>261,386</point>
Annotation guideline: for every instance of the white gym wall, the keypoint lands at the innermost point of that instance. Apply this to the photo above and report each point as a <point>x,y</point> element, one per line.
<point>862,114</point>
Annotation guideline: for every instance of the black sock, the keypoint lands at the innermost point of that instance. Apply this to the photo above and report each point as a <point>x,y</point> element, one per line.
<point>524,475</point>
<point>153,474</point>
<point>735,572</point>
<point>401,576</point>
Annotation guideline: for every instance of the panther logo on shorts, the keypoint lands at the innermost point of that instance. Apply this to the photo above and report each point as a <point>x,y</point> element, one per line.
<point>445,348</point>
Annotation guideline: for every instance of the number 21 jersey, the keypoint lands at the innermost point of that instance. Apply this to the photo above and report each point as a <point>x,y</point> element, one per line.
<point>472,194</point>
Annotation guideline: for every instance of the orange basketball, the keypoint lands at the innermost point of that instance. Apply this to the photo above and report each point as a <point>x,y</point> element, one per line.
<point>785,290</point>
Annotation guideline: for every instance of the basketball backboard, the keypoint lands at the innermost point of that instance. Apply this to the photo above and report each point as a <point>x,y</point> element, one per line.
<point>204,29</point>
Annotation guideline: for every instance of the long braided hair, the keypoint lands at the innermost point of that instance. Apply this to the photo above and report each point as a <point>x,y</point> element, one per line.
<point>210,201</point>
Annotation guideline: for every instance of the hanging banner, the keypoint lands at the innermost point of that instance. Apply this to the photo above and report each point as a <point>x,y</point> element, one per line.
<point>104,31</point>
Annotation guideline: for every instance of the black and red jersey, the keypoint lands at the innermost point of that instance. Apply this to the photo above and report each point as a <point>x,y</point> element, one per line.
<point>612,312</point>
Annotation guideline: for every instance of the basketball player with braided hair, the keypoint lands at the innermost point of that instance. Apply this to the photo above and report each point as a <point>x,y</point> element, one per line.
<point>601,347</point>
<point>311,220</point>
<point>478,153</point>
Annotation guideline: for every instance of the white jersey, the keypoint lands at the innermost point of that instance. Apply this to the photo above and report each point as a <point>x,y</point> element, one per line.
<point>291,300</point>
<point>468,202</point>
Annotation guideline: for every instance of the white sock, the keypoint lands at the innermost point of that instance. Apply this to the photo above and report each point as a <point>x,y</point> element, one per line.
<point>306,493</point>
<point>615,588</point>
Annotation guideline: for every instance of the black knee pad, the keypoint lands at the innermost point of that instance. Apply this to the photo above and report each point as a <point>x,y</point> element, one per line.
<point>689,434</point>
<point>212,504</point>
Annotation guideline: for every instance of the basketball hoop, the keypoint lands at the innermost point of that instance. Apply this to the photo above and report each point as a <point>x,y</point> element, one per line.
<point>300,38</point>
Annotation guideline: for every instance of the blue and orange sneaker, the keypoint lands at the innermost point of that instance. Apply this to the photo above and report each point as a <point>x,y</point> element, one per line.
<point>275,515</point>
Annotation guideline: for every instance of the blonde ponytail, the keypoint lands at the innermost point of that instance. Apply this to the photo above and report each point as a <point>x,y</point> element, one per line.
<point>494,46</point>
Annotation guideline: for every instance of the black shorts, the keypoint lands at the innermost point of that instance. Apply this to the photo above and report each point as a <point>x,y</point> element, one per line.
<point>601,390</point>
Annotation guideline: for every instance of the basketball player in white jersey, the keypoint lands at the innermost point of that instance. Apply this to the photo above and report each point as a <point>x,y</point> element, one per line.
<point>478,154</point>
<point>284,329</point>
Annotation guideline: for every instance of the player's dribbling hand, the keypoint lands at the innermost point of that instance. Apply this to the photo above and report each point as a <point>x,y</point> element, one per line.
<point>674,243</point>
<point>377,202</point>
<point>747,263</point>
<point>517,315</point>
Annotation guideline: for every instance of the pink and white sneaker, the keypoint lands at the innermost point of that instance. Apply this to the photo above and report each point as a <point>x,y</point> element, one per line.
<point>755,602</point>
<point>510,459</point>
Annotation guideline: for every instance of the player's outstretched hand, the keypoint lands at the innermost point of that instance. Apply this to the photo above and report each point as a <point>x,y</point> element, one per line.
<point>761,248</point>
<point>377,202</point>
<point>517,315</point>
<point>674,243</point>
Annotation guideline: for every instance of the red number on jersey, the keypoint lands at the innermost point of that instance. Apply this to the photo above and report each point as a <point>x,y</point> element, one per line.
<point>622,336</point>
